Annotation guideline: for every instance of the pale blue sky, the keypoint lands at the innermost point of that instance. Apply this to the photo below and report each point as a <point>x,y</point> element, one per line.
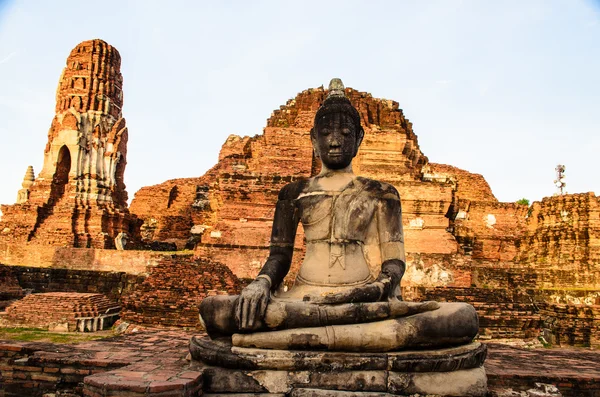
<point>508,89</point>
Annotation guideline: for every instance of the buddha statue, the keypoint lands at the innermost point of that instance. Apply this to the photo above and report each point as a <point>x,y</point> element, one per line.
<point>346,296</point>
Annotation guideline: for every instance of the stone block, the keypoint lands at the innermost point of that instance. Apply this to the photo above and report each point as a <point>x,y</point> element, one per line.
<point>467,382</point>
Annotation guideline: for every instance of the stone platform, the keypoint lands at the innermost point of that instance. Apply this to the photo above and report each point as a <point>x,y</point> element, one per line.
<point>456,371</point>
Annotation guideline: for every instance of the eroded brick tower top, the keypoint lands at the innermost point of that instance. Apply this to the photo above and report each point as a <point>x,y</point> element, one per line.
<point>89,124</point>
<point>92,80</point>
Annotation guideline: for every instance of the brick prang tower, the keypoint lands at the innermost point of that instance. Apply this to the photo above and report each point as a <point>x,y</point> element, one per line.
<point>79,197</point>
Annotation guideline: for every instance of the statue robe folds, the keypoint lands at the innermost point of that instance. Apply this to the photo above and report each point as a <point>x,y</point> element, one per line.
<point>349,234</point>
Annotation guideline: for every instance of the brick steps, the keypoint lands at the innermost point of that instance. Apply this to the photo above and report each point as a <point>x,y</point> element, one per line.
<point>75,309</point>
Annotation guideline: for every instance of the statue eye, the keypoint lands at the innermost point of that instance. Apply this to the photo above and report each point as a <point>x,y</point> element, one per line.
<point>346,131</point>
<point>325,131</point>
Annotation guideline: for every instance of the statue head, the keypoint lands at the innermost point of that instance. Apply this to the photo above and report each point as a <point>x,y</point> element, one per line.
<point>337,133</point>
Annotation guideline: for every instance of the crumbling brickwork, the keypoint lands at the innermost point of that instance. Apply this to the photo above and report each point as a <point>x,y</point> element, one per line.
<point>563,231</point>
<point>516,264</point>
<point>566,325</point>
<point>231,207</point>
<point>462,244</point>
<point>79,197</point>
<point>171,293</point>
<point>57,309</point>
<point>39,280</point>
<point>10,290</point>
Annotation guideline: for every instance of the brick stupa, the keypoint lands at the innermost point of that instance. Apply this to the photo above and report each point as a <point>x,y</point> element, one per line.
<point>230,209</point>
<point>79,197</point>
<point>518,266</point>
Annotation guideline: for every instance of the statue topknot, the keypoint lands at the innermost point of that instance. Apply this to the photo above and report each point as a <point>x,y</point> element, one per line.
<point>335,102</point>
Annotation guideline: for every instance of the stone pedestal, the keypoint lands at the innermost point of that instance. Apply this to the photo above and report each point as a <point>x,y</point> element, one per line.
<point>455,371</point>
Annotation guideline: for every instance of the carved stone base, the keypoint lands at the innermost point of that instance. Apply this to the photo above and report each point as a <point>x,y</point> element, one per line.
<point>456,371</point>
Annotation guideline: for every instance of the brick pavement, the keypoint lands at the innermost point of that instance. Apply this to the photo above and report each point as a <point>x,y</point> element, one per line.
<point>148,363</point>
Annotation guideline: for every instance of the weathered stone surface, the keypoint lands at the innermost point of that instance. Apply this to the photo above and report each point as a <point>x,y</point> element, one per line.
<point>221,353</point>
<point>452,324</point>
<point>224,380</point>
<point>334,393</point>
<point>79,197</point>
<point>469,382</point>
<point>285,314</point>
<point>244,395</point>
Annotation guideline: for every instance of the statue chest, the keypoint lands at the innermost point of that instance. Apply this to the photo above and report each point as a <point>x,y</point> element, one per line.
<point>338,217</point>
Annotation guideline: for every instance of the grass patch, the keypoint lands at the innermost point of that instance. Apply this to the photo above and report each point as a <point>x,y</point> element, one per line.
<point>40,335</point>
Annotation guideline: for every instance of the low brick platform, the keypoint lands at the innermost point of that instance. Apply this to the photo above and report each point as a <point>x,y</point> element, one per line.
<point>153,363</point>
<point>575,371</point>
<point>64,311</point>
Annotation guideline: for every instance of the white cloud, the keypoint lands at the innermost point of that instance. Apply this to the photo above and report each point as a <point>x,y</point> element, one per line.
<point>8,57</point>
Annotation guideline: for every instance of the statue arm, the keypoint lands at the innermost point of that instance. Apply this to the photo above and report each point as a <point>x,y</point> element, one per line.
<point>252,303</point>
<point>285,224</point>
<point>391,241</point>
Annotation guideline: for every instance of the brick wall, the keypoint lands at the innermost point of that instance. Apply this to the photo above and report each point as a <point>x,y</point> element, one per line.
<point>40,280</point>
<point>174,288</point>
<point>30,255</point>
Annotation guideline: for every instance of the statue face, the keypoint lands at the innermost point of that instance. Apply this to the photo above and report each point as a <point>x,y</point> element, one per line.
<point>335,140</point>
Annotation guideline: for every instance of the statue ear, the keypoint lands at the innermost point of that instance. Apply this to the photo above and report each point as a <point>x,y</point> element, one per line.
<point>359,138</point>
<point>313,140</point>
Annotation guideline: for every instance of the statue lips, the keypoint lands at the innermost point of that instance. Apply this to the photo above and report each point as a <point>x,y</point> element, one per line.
<point>336,159</point>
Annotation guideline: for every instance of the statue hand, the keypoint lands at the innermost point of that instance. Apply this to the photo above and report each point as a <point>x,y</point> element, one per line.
<point>389,283</point>
<point>252,304</point>
<point>383,288</point>
<point>371,292</point>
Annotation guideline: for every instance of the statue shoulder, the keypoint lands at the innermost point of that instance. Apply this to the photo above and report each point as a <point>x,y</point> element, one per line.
<point>379,189</point>
<point>292,190</point>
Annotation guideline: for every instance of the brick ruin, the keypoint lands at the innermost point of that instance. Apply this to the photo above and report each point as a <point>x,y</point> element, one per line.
<point>227,213</point>
<point>79,197</point>
<point>523,268</point>
<point>10,289</point>
<point>62,311</point>
<point>170,295</point>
